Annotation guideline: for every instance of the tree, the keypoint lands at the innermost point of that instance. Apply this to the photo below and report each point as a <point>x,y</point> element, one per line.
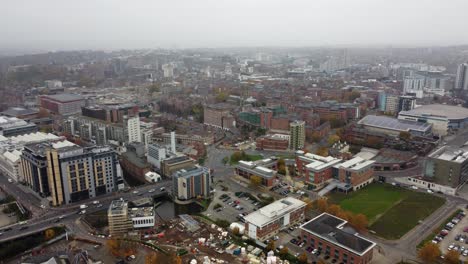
<point>255,180</point>
<point>359,222</point>
<point>334,209</point>
<point>49,234</point>
<point>332,139</point>
<point>284,251</point>
<point>114,246</point>
<point>322,151</point>
<point>281,162</point>
<point>282,170</point>
<point>405,135</point>
<point>452,257</point>
<point>355,149</point>
<point>151,258</point>
<point>271,245</point>
<point>429,253</point>
<point>235,231</point>
<point>321,204</point>
<point>222,97</point>
<point>316,137</point>
<point>302,258</point>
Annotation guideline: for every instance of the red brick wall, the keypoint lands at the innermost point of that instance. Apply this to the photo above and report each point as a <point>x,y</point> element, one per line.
<point>268,143</point>
<point>280,123</point>
<point>366,258</point>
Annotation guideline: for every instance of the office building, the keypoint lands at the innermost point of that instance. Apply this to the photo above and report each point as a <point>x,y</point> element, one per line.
<point>296,135</point>
<point>442,117</point>
<point>333,237</point>
<point>12,126</point>
<point>142,217</point>
<point>267,221</point>
<point>191,183</point>
<point>168,70</point>
<point>315,169</point>
<point>265,169</point>
<point>21,113</point>
<point>406,103</point>
<point>414,84</point>
<point>219,116</point>
<point>173,164</point>
<point>393,126</point>
<point>11,149</point>
<point>118,218</point>
<point>156,154</point>
<point>62,104</point>
<point>461,80</point>
<point>134,162</point>
<point>273,142</point>
<point>70,173</point>
<point>448,166</point>
<point>355,173</point>
<point>133,129</point>
<point>391,104</point>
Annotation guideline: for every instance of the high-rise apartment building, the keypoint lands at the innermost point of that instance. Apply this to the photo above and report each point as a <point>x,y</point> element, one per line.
<point>68,172</point>
<point>296,135</point>
<point>133,129</point>
<point>461,81</point>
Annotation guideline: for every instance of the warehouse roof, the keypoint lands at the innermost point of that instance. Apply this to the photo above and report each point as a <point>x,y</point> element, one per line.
<point>391,123</point>
<point>439,110</point>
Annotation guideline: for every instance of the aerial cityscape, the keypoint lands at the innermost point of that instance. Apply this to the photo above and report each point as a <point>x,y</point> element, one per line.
<point>247,132</point>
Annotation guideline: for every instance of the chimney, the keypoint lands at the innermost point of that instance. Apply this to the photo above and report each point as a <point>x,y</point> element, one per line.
<point>173,143</point>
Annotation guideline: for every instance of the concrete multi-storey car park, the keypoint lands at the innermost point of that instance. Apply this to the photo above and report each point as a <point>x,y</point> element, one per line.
<point>269,220</point>
<point>332,237</point>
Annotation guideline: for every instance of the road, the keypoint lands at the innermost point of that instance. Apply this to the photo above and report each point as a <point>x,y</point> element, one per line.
<point>45,218</point>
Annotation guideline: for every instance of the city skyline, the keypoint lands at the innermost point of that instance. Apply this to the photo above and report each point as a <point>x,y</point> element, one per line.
<point>55,25</point>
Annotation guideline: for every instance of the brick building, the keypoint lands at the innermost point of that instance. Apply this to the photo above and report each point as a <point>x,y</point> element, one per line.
<point>219,116</point>
<point>315,169</point>
<point>333,237</point>
<point>269,220</point>
<point>355,173</point>
<point>62,104</point>
<point>266,169</point>
<point>273,142</point>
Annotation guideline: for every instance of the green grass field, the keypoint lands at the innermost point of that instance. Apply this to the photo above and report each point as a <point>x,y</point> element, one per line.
<point>392,211</point>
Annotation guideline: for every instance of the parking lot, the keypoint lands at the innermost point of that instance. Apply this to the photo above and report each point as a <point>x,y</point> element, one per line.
<point>456,237</point>
<point>232,206</point>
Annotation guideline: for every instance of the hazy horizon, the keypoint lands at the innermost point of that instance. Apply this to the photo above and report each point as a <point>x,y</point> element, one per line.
<point>116,24</point>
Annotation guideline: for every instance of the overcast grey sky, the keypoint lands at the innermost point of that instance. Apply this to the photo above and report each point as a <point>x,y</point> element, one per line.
<point>113,24</point>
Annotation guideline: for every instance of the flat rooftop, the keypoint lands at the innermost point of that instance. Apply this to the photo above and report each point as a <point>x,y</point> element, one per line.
<point>274,211</point>
<point>356,164</point>
<point>391,123</point>
<point>63,98</point>
<point>117,207</point>
<point>317,162</point>
<point>336,231</point>
<point>141,212</point>
<point>451,153</point>
<point>439,110</point>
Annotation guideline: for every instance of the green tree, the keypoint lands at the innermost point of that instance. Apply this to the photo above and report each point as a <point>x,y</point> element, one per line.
<point>222,97</point>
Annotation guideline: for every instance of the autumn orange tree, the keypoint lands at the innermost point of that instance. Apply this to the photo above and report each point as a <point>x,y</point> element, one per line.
<point>452,257</point>
<point>334,209</point>
<point>49,234</point>
<point>359,222</point>
<point>429,253</point>
<point>151,258</point>
<point>321,205</point>
<point>302,258</point>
